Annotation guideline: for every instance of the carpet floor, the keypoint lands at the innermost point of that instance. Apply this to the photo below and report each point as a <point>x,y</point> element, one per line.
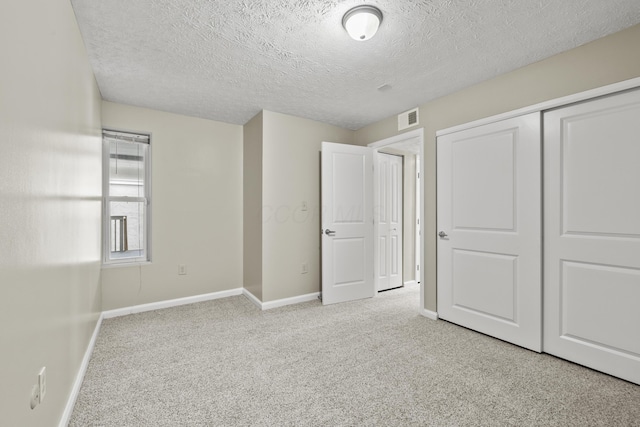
<point>375,362</point>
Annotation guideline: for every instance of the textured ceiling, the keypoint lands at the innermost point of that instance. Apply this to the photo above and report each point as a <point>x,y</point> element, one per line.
<point>227,60</point>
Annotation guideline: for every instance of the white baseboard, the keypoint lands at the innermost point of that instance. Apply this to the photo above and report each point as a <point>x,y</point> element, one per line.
<point>288,301</point>
<point>75,390</point>
<point>411,283</point>
<point>429,314</point>
<point>279,302</point>
<point>170,303</point>
<point>252,298</point>
<point>208,297</point>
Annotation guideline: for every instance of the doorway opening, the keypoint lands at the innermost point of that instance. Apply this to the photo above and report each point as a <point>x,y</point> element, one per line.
<point>410,146</point>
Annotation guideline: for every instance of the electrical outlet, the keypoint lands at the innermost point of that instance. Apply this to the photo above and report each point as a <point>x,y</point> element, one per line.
<point>182,269</point>
<point>42,383</point>
<point>305,268</point>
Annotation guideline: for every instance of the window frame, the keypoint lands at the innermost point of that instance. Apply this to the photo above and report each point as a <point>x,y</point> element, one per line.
<point>107,261</point>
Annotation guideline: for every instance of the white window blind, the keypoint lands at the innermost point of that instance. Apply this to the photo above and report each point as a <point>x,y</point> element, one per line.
<point>127,203</point>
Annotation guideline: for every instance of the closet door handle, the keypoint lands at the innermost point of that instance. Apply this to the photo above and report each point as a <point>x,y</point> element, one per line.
<point>442,234</point>
<point>329,232</point>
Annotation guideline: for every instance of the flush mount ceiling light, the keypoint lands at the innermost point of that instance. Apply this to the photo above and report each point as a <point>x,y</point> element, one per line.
<point>362,22</point>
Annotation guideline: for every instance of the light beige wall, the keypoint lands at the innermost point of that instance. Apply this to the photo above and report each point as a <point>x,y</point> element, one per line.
<point>252,195</point>
<point>50,204</point>
<point>608,60</point>
<point>291,175</point>
<point>197,208</point>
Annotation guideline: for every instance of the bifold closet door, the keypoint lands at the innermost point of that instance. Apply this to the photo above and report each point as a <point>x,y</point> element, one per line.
<point>592,234</point>
<point>489,244</point>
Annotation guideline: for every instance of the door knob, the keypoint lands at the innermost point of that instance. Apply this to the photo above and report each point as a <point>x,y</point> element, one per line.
<point>329,232</point>
<point>442,234</point>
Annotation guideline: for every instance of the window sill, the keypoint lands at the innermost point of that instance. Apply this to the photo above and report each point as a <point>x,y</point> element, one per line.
<point>125,264</point>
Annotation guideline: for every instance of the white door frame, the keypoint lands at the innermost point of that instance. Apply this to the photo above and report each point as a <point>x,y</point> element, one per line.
<point>386,143</point>
<point>547,105</point>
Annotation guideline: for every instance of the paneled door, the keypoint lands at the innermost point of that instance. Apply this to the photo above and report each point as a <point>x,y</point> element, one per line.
<point>489,244</point>
<point>592,234</point>
<point>389,213</point>
<point>347,223</point>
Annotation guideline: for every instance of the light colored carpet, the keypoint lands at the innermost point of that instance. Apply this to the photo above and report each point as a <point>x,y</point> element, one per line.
<point>372,362</point>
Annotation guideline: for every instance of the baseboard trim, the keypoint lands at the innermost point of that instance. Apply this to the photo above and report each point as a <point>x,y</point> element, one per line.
<point>429,314</point>
<point>108,314</point>
<point>77,384</point>
<point>170,303</point>
<point>279,302</point>
<point>289,301</point>
<point>251,297</point>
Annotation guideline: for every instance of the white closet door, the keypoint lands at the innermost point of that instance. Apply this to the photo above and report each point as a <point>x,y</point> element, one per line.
<point>592,234</point>
<point>389,213</point>
<point>489,211</point>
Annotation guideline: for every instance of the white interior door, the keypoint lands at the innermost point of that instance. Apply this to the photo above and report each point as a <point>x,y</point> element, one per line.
<point>489,213</point>
<point>347,223</point>
<point>592,234</point>
<point>418,234</point>
<point>389,210</point>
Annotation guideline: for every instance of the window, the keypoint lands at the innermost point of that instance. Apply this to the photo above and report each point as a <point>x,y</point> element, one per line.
<point>127,201</point>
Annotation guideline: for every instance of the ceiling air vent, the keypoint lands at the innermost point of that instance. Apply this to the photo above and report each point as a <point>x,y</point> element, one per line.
<point>408,119</point>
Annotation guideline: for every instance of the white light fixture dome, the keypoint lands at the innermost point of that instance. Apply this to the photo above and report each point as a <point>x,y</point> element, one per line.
<point>362,22</point>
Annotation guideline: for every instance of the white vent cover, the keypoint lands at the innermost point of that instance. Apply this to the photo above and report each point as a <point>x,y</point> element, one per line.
<point>408,119</point>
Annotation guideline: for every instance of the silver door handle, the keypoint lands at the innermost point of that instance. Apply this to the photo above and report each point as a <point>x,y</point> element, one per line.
<point>442,234</point>
<point>329,232</point>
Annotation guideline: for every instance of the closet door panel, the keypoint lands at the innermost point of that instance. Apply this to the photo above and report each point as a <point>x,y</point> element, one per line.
<point>592,234</point>
<point>489,214</point>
